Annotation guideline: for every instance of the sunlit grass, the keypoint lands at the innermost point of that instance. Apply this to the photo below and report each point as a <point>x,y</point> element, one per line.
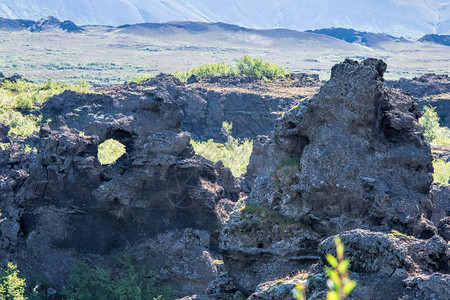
<point>441,171</point>
<point>110,151</point>
<point>139,78</point>
<point>234,154</point>
<point>18,98</point>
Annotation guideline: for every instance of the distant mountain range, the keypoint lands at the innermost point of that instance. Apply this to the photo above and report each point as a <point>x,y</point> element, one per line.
<point>45,24</point>
<point>348,35</point>
<point>407,18</point>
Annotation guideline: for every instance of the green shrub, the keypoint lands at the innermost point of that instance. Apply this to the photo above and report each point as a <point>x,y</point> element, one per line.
<point>12,287</point>
<point>110,151</point>
<point>125,282</point>
<point>207,70</point>
<point>24,102</point>
<point>339,283</point>
<point>20,126</point>
<point>234,154</point>
<point>26,94</point>
<point>248,66</point>
<point>433,132</point>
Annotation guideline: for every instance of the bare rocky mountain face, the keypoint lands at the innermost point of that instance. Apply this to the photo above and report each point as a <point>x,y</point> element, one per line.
<point>399,18</point>
<point>350,161</point>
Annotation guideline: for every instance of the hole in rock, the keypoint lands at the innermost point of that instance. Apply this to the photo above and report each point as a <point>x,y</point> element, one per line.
<point>291,125</point>
<point>110,151</point>
<point>260,245</point>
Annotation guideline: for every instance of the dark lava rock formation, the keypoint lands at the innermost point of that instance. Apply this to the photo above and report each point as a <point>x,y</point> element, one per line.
<point>351,157</point>
<point>349,162</point>
<point>244,101</point>
<point>425,85</point>
<point>66,204</point>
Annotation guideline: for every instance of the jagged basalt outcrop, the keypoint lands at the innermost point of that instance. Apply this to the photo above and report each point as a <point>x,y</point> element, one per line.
<point>425,85</point>
<point>71,205</point>
<point>351,157</point>
<point>351,161</point>
<point>244,101</point>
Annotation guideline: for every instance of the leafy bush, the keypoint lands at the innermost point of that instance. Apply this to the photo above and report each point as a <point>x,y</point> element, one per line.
<point>126,282</point>
<point>110,151</point>
<point>433,132</point>
<point>234,154</point>
<point>246,66</point>
<point>208,70</point>
<point>12,287</point>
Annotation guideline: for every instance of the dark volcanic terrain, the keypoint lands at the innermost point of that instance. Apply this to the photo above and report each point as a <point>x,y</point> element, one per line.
<point>344,158</point>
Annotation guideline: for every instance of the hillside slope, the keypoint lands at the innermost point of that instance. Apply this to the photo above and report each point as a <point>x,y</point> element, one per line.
<point>396,17</point>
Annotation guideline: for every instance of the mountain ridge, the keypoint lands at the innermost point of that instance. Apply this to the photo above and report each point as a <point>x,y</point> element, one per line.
<point>394,17</point>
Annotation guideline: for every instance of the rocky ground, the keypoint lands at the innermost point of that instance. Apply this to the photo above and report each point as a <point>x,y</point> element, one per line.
<point>349,161</point>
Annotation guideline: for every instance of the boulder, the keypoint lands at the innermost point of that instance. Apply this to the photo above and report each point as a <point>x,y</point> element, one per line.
<point>394,264</point>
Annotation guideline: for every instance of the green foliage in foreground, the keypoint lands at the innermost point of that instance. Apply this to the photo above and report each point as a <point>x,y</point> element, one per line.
<point>339,283</point>
<point>441,171</point>
<point>125,282</point>
<point>234,154</point>
<point>246,66</point>
<point>110,151</point>
<point>433,132</point>
<point>12,287</point>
